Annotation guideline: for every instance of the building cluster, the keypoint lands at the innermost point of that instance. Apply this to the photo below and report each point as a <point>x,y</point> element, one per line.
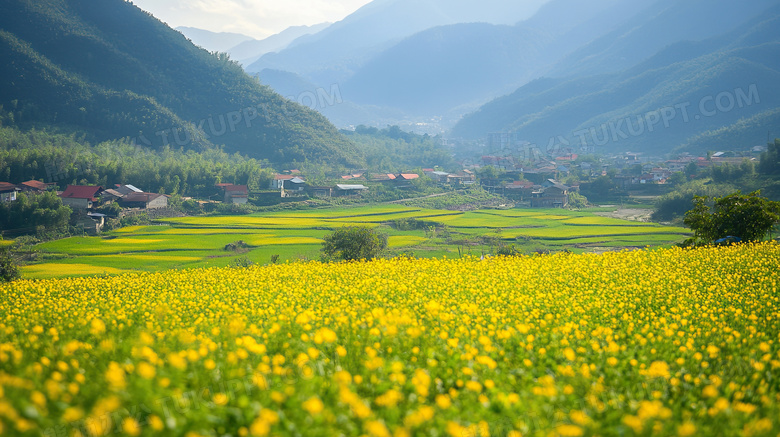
<point>294,184</point>
<point>9,191</point>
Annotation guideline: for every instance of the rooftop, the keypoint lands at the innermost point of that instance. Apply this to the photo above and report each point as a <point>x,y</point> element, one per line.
<point>81,192</point>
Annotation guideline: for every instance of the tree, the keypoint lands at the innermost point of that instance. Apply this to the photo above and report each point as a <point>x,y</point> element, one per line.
<point>352,243</point>
<point>577,201</point>
<point>748,217</point>
<point>691,170</point>
<point>8,268</point>
<point>677,179</point>
<point>489,172</point>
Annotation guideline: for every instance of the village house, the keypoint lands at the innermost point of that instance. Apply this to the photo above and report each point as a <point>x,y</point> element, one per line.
<point>124,190</point>
<point>235,194</point>
<point>81,196</point>
<point>111,195</point>
<point>8,192</point>
<point>353,176</point>
<point>551,196</point>
<point>278,181</point>
<point>144,201</point>
<point>440,177</point>
<point>349,190</point>
<point>383,178</point>
<point>404,180</point>
<point>321,192</point>
<point>35,187</point>
<point>520,190</point>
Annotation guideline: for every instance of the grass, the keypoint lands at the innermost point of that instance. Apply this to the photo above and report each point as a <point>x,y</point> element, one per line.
<point>193,242</point>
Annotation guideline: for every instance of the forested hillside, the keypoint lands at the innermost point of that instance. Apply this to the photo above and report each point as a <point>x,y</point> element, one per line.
<point>114,71</point>
<point>688,91</point>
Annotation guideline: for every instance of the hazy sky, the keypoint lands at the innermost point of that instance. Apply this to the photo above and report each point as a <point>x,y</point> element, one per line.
<point>256,18</point>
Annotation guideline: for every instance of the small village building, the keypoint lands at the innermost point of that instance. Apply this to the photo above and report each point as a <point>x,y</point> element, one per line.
<point>8,192</point>
<point>295,184</point>
<point>111,195</point>
<point>383,178</point>
<point>554,196</point>
<point>438,176</point>
<point>81,196</point>
<point>235,194</point>
<point>124,190</point>
<point>349,190</point>
<point>278,182</point>
<point>144,201</point>
<point>520,190</point>
<point>404,180</point>
<point>35,187</point>
<point>321,192</point>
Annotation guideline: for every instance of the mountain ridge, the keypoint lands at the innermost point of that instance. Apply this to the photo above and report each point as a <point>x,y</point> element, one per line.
<point>741,63</point>
<point>114,71</point>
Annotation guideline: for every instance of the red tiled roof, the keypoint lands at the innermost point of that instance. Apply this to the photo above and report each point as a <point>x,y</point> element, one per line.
<point>236,189</point>
<point>38,185</point>
<point>409,176</point>
<point>283,177</point>
<point>81,192</point>
<point>7,186</point>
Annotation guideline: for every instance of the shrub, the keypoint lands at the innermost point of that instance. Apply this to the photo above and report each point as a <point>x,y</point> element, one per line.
<point>9,270</point>
<point>352,243</point>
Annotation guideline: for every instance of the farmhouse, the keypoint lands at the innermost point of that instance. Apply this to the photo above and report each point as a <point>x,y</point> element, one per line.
<point>520,189</point>
<point>111,195</point>
<point>144,201</point>
<point>554,196</point>
<point>8,192</point>
<point>124,190</point>
<point>383,178</point>
<point>235,194</point>
<point>80,196</point>
<point>349,190</point>
<point>405,179</point>
<point>320,191</point>
<point>278,182</point>
<point>35,187</point>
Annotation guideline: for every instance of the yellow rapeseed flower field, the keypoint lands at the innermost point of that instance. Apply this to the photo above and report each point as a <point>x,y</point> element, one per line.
<point>662,342</point>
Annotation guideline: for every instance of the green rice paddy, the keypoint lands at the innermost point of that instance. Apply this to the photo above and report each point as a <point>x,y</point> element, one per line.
<point>193,242</point>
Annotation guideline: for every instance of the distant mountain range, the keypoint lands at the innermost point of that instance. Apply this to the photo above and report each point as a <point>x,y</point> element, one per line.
<point>213,41</point>
<point>689,95</point>
<point>562,65</point>
<point>333,54</point>
<point>249,52</point>
<point>244,49</point>
<point>111,71</point>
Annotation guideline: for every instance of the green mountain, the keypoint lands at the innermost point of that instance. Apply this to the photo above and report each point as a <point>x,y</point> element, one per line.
<point>658,25</point>
<point>114,71</point>
<point>723,84</point>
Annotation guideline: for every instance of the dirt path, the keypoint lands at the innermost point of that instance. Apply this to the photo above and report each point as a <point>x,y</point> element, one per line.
<point>418,198</point>
<point>632,214</point>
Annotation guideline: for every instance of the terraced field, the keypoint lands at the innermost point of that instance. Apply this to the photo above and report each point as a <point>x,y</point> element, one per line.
<point>192,242</point>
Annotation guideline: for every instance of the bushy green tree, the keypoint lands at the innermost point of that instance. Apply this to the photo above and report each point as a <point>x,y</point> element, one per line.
<point>748,217</point>
<point>351,243</point>
<point>30,213</point>
<point>577,201</point>
<point>8,268</point>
